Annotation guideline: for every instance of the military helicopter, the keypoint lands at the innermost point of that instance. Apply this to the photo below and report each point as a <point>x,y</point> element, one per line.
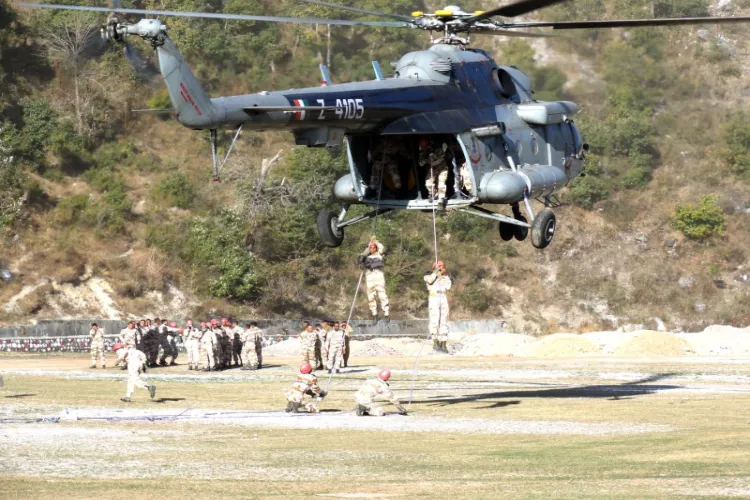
<point>502,146</point>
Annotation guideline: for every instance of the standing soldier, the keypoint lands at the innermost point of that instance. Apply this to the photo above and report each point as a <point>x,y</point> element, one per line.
<point>206,349</point>
<point>438,284</point>
<point>321,353</point>
<point>433,159</point>
<point>347,340</point>
<point>151,342</point>
<point>136,362</point>
<point>226,344</point>
<point>307,340</point>
<point>234,334</point>
<point>127,339</point>
<point>165,337</point>
<point>372,260</point>
<point>386,160</point>
<point>305,385</point>
<point>192,337</point>
<point>141,332</point>
<point>376,388</point>
<point>217,332</point>
<point>252,346</point>
<point>335,348</point>
<point>97,346</point>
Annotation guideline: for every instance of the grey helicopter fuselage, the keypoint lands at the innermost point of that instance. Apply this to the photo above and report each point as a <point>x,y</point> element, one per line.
<point>517,147</point>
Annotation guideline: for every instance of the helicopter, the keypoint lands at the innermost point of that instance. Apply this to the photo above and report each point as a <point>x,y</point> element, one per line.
<point>500,144</point>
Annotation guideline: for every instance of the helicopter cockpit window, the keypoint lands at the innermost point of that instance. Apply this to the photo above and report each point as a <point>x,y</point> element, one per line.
<point>505,85</point>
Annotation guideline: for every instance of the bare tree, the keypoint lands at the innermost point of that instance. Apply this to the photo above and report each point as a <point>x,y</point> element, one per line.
<point>67,43</point>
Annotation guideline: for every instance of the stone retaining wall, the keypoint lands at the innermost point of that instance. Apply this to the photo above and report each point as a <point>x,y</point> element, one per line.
<point>72,335</point>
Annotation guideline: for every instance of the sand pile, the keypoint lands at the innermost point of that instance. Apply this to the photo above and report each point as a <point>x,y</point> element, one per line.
<point>289,347</point>
<point>648,343</point>
<point>558,345</point>
<point>492,344</point>
<point>719,341</point>
<point>374,348</point>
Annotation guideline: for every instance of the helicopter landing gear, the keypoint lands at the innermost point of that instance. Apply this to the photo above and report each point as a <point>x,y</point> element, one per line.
<point>543,228</point>
<point>520,232</point>
<point>331,226</point>
<point>331,235</point>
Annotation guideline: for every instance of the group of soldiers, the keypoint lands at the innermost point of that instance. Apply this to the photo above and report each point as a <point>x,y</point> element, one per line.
<point>326,344</point>
<point>434,158</point>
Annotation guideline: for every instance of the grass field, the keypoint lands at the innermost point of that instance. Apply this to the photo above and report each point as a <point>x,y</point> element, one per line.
<point>576,428</point>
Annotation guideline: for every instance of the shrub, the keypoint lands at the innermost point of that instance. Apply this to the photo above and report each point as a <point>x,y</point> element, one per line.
<point>736,138</point>
<point>476,299</point>
<point>465,227</point>
<point>700,221</point>
<point>587,191</point>
<point>636,177</point>
<point>71,210</point>
<point>176,190</point>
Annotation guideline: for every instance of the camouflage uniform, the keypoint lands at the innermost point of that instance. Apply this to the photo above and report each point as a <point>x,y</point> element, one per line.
<point>127,338</point>
<point>235,335</point>
<point>218,334</point>
<point>434,160</point>
<point>307,343</point>
<point>166,342</point>
<point>136,361</point>
<point>438,285</point>
<point>335,349</point>
<point>192,345</point>
<point>97,347</point>
<point>206,353</point>
<point>386,157</point>
<point>321,350</point>
<point>305,385</point>
<point>468,185</point>
<point>347,340</point>
<point>226,346</point>
<point>374,388</point>
<point>375,279</point>
<point>252,345</point>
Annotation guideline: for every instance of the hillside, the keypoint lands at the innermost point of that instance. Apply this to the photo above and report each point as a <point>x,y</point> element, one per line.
<point>105,213</point>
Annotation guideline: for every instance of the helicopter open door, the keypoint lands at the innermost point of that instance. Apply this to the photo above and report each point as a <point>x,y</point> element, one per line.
<point>387,171</point>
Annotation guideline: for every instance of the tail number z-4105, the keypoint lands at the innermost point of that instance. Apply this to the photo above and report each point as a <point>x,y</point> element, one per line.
<point>347,109</point>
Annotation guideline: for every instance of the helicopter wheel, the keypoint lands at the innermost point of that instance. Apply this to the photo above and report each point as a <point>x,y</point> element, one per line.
<point>330,235</point>
<point>520,232</point>
<point>507,231</point>
<point>543,229</point>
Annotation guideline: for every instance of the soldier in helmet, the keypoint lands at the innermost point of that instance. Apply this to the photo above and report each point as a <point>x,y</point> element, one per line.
<point>438,283</point>
<point>372,260</point>
<point>192,336</point>
<point>305,385</point>
<point>432,158</point>
<point>376,388</point>
<point>207,361</point>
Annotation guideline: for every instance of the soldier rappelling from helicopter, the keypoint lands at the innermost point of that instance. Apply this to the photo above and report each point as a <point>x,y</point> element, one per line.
<point>373,264</point>
<point>438,283</point>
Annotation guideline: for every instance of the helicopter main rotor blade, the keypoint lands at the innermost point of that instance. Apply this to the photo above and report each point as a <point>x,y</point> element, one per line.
<point>359,11</point>
<point>512,33</point>
<point>514,9</point>
<point>630,23</point>
<point>208,15</point>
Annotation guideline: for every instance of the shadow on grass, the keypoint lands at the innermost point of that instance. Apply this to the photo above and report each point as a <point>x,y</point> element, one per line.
<point>168,400</point>
<point>16,396</point>
<point>609,392</point>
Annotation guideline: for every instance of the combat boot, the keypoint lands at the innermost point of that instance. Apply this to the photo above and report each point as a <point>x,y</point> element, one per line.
<point>360,410</point>
<point>292,408</point>
<point>104,367</point>
<point>338,371</point>
<point>190,367</point>
<point>152,391</point>
<point>126,400</point>
<point>92,367</point>
<point>2,382</point>
<point>436,345</point>
<point>330,371</point>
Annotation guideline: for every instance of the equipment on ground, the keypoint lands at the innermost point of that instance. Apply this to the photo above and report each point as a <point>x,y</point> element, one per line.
<point>450,105</point>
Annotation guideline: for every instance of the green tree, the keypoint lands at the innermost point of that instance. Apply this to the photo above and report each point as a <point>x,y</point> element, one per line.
<point>700,221</point>
<point>736,148</point>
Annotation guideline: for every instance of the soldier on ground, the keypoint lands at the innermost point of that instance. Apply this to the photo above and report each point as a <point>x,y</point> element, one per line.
<point>192,336</point>
<point>234,334</point>
<point>438,284</point>
<point>335,343</point>
<point>207,361</point>
<point>97,346</point>
<point>252,347</point>
<point>305,385</point>
<point>307,339</point>
<point>347,340</point>
<point>372,261</point>
<point>321,350</point>
<point>136,362</point>
<point>376,388</point>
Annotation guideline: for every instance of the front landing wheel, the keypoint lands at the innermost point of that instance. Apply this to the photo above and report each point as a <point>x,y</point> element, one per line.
<point>331,235</point>
<point>543,229</point>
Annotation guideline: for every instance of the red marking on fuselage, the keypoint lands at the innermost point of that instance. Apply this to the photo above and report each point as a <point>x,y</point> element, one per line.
<point>185,93</point>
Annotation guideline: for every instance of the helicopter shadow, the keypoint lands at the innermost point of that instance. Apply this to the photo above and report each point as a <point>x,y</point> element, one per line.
<point>611,392</point>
